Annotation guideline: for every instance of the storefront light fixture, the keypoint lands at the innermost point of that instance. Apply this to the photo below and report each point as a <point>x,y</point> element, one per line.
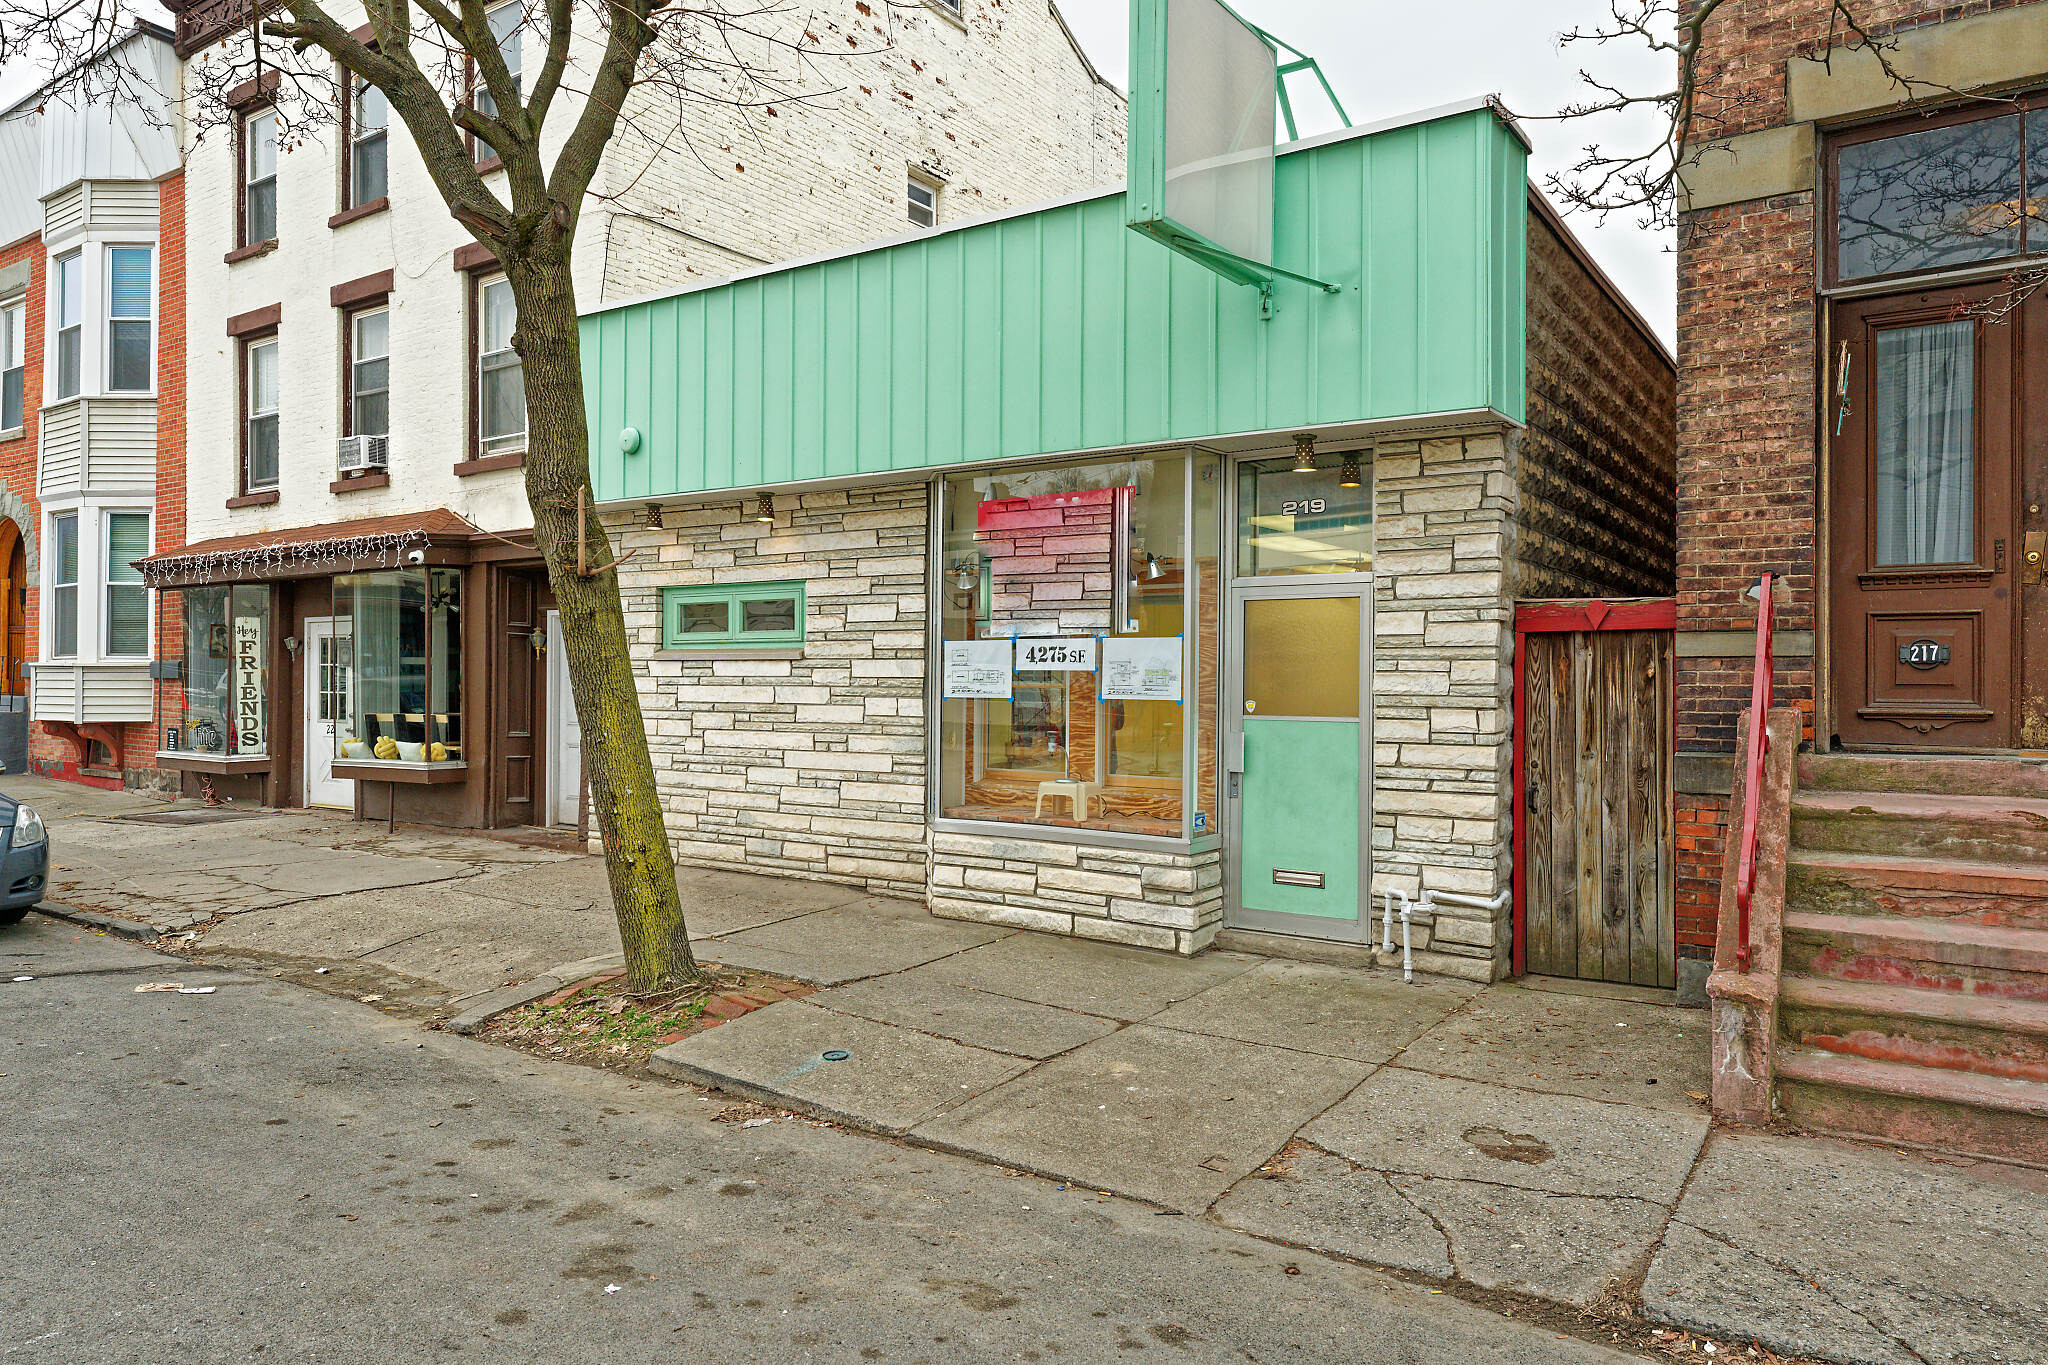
<point>764,509</point>
<point>966,575</point>
<point>1152,569</point>
<point>1354,473</point>
<point>1304,454</point>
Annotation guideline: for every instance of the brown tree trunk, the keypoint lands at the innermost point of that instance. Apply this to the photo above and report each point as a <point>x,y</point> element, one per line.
<point>640,864</point>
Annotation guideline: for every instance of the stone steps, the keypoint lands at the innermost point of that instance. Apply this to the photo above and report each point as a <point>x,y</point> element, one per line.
<point>1924,776</point>
<point>2000,1118</point>
<point>1957,890</point>
<point>1926,954</point>
<point>1945,1030</point>
<point>2002,829</point>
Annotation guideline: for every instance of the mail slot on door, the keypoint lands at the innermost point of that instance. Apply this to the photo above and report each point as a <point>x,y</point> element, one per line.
<point>1283,876</point>
<point>1923,654</point>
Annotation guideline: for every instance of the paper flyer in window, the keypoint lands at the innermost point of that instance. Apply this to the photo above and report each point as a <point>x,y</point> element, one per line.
<point>978,669</point>
<point>1141,669</point>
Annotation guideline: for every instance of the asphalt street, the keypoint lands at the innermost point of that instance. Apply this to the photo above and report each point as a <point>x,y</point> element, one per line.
<point>267,1173</point>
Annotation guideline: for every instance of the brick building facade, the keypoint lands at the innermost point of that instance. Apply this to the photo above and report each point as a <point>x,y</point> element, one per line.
<point>1771,313</point>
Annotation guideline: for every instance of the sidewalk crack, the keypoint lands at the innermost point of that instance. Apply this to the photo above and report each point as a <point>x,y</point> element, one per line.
<point>1811,1281</point>
<point>1450,1246</point>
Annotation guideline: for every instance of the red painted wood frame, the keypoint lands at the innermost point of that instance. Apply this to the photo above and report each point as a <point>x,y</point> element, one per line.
<point>1535,618</point>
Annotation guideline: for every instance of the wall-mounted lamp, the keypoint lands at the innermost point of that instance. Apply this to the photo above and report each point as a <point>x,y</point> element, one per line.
<point>293,644</point>
<point>1354,472</point>
<point>764,509</point>
<point>1152,568</point>
<point>965,577</point>
<point>1304,454</point>
<point>539,640</point>
<point>654,516</point>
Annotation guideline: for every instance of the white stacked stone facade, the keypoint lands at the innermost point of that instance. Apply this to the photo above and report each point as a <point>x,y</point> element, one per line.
<point>805,762</point>
<point>1443,684</point>
<point>1151,899</point>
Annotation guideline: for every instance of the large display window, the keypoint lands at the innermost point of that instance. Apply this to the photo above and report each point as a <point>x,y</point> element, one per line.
<point>403,666</point>
<point>225,702</point>
<point>1071,692</point>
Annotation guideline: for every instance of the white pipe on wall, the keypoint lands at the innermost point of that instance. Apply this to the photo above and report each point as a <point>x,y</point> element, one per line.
<point>1430,900</point>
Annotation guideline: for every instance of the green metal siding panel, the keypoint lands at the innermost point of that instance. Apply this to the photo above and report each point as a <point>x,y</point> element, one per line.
<point>1062,330</point>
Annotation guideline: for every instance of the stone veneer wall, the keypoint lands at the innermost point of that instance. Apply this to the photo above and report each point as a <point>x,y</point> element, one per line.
<point>810,763</point>
<point>1443,677</point>
<point>1154,900</point>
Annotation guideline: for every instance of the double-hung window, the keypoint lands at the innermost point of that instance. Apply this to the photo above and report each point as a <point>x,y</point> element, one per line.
<point>369,373</point>
<point>259,419</point>
<point>501,380</point>
<point>924,203</point>
<point>13,362</point>
<point>127,600</point>
<point>505,28</point>
<point>70,308</point>
<point>64,586</point>
<point>369,126</point>
<point>259,177</point>
<point>130,318</point>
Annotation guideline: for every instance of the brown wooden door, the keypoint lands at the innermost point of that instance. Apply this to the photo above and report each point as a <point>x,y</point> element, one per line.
<point>515,700</point>
<point>1599,893</point>
<point>1926,529</point>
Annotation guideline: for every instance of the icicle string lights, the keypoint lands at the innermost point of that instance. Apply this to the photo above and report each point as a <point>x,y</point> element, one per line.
<point>382,549</point>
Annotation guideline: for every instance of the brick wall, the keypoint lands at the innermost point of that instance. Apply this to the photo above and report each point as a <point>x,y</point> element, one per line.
<point>1599,460</point>
<point>1749,413</point>
<point>812,763</point>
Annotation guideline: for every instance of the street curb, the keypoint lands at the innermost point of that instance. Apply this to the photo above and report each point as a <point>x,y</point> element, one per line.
<point>488,1007</point>
<point>93,919</point>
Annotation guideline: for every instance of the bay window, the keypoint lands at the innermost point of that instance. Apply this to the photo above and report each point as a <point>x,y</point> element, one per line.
<point>127,600</point>
<point>131,311</point>
<point>404,665</point>
<point>64,585</point>
<point>68,300</point>
<point>225,705</point>
<point>1065,623</point>
<point>13,363</point>
<point>500,378</point>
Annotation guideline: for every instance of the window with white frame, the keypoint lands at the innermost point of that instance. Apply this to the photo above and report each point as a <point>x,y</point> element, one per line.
<point>131,318</point>
<point>64,586</point>
<point>259,177</point>
<point>924,202</point>
<point>259,421</point>
<point>13,362</point>
<point>127,600</point>
<point>369,373</point>
<point>68,300</point>
<point>505,27</point>
<point>369,126</point>
<point>500,378</point>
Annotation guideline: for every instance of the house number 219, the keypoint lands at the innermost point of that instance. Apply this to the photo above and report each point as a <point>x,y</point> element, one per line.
<point>1302,507</point>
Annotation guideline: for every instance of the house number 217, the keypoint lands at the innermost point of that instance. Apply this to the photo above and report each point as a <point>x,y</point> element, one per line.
<point>1301,507</point>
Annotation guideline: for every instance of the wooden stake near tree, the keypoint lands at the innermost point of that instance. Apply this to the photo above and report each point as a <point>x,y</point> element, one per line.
<point>432,59</point>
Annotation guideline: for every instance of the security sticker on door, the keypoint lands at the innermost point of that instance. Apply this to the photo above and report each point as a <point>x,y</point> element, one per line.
<point>1069,655</point>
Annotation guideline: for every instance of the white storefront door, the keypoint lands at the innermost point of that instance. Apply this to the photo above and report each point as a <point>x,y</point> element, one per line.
<point>330,712</point>
<point>565,734</point>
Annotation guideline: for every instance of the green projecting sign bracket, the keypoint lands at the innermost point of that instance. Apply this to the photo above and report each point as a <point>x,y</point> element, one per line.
<point>1146,195</point>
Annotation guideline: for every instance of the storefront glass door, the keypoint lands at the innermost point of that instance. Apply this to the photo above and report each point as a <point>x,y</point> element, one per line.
<point>1297,760</point>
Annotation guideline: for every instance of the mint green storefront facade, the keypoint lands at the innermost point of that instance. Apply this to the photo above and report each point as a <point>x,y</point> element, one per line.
<point>1032,570</point>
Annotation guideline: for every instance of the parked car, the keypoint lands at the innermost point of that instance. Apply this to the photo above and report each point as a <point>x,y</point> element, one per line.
<point>24,859</point>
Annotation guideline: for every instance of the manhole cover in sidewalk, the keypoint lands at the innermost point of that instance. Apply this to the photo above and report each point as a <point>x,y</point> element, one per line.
<point>197,815</point>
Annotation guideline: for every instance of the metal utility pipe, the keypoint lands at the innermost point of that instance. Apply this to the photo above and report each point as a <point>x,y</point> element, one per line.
<point>1430,900</point>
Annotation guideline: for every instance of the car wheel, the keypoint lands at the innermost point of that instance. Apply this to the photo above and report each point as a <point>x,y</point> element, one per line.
<point>14,916</point>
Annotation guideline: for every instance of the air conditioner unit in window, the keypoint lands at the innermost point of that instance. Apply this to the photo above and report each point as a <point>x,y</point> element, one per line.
<point>357,454</point>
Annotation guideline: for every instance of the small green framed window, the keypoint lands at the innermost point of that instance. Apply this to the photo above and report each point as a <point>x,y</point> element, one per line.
<point>744,615</point>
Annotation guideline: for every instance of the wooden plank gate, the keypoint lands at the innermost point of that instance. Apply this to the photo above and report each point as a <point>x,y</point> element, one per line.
<point>1595,894</point>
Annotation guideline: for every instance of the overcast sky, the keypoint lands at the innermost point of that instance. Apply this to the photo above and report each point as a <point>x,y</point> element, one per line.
<point>1393,57</point>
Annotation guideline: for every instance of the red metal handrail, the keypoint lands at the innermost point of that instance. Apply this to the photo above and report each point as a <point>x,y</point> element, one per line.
<point>1753,768</point>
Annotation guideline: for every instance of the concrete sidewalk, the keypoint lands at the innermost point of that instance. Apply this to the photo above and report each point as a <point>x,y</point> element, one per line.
<point>1517,1138</point>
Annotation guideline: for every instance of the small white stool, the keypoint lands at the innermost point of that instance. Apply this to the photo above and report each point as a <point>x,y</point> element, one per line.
<point>1077,794</point>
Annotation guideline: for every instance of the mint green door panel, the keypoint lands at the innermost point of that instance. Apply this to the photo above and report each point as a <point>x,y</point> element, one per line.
<point>1300,814</point>
<point>1061,330</point>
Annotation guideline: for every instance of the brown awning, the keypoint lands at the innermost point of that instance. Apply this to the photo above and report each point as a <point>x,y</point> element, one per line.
<point>310,551</point>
